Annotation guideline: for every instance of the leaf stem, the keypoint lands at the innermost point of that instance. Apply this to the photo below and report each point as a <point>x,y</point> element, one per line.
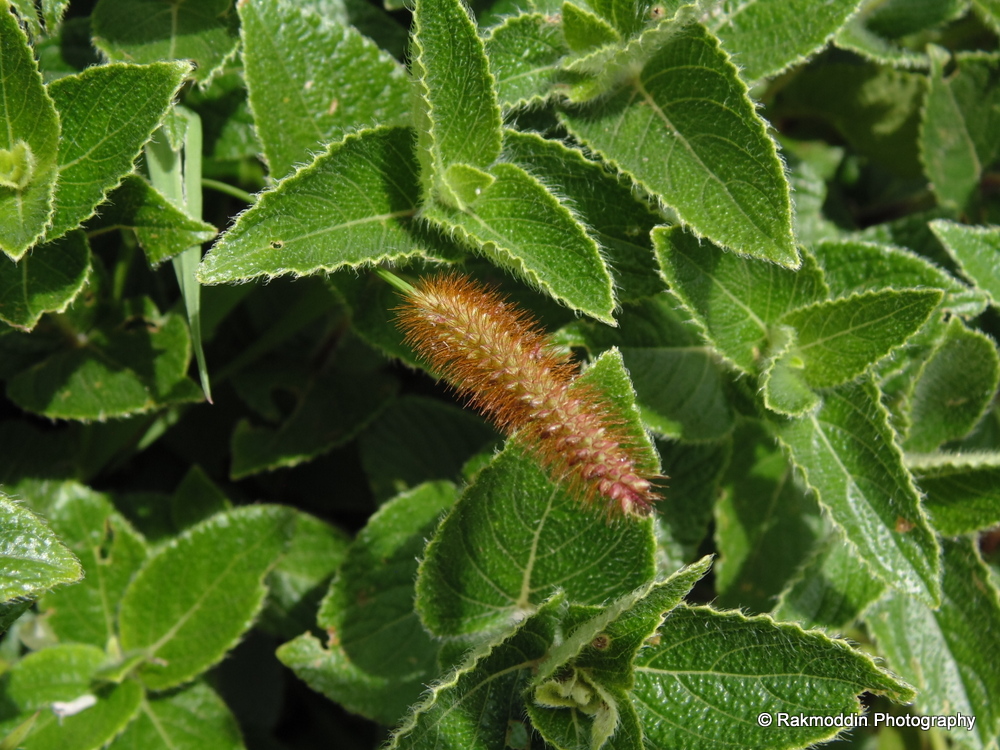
<point>395,281</point>
<point>232,190</point>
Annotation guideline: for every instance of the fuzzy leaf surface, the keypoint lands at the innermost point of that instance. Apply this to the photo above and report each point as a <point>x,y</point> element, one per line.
<point>191,719</point>
<point>709,665</point>
<point>518,223</point>
<point>99,144</point>
<point>688,133</point>
<point>353,206</point>
<point>111,552</point>
<point>838,339</point>
<point>196,596</point>
<point>34,559</point>
<point>768,37</point>
<point>312,80</point>
<point>962,490</point>
<point>977,252</point>
<point>954,389</point>
<point>29,144</point>
<point>847,452</point>
<point>147,31</point>
<point>732,299</point>
<point>524,51</point>
<point>46,280</point>
<point>947,663</point>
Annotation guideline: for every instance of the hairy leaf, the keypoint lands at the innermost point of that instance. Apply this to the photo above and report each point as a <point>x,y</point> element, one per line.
<point>46,280</point>
<point>34,559</point>
<point>977,252</point>
<point>962,490</point>
<point>524,51</point>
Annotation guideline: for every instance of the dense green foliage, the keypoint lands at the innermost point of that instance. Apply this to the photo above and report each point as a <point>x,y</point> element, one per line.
<point>237,510</point>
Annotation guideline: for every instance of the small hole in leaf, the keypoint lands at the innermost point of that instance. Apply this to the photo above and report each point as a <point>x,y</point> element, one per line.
<point>277,244</point>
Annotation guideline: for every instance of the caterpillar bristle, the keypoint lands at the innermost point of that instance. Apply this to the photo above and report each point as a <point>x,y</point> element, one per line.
<point>498,357</point>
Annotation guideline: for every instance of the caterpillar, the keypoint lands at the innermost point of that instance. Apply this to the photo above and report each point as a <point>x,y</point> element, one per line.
<point>497,356</point>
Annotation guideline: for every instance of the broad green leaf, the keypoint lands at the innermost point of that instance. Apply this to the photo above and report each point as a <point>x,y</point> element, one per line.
<point>398,451</point>
<point>194,718</point>
<point>765,523</point>
<point>196,498</point>
<point>688,133</point>
<point>28,13</point>
<point>615,217</point>
<point>48,679</point>
<point>299,580</point>
<point>100,144</point>
<point>838,339</point>
<point>162,229</point>
<point>954,389</point>
<point>195,597</point>
<point>852,266</point>
<point>329,408</point>
<point>858,38</point>
<point>977,252</point>
<point>113,371</point>
<point>459,118</point>
<point>761,36</point>
<point>831,590</point>
<point>518,223</point>
<point>147,31</point>
<point>847,453</point>
<point>945,652</point>
<point>782,381</point>
<point>585,31</point>
<point>961,490</point>
<point>733,300</point>
<point>353,206</point>
<point>110,550</point>
<point>524,52</point>
<point>10,613</point>
<point>479,702</point>
<point>45,280</point>
<point>33,558</point>
<point>379,656</point>
<point>512,539</point>
<point>713,673</point>
<point>29,144</point>
<point>960,119</point>
<point>898,18</point>
<point>312,80</point>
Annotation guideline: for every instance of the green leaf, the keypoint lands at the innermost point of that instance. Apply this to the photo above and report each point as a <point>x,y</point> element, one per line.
<point>112,372</point>
<point>478,703</point>
<point>59,675</point>
<point>954,389</point>
<point>518,223</point>
<point>852,266</point>
<point>399,452</point>
<point>196,596</point>
<point>47,280</point>
<point>299,580</point>
<point>733,300</point>
<point>34,559</point>
<point>99,144</point>
<point>765,523</point>
<point>831,590</point>
<point>782,380</point>
<point>111,552</point>
<point>948,662</point>
<point>615,217</point>
<point>961,490</point>
<point>379,656</point>
<point>330,408</point>
<point>147,31</point>
<point>761,35</point>
<point>961,115</point>
<point>977,252</point>
<point>162,229</point>
<point>861,40</point>
<point>524,52</point>
<point>838,339</point>
<point>312,80</point>
<point>696,142</point>
<point>512,539</point>
<point>578,715</point>
<point>585,31</point>
<point>29,144</point>
<point>713,673</point>
<point>459,120</point>
<point>848,455</point>
<point>989,11</point>
<point>353,206</point>
<point>194,718</point>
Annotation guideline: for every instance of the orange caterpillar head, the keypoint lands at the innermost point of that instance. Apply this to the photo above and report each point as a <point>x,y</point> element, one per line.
<point>497,356</point>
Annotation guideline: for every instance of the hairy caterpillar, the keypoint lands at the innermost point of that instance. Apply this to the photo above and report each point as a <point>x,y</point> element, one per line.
<point>499,359</point>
